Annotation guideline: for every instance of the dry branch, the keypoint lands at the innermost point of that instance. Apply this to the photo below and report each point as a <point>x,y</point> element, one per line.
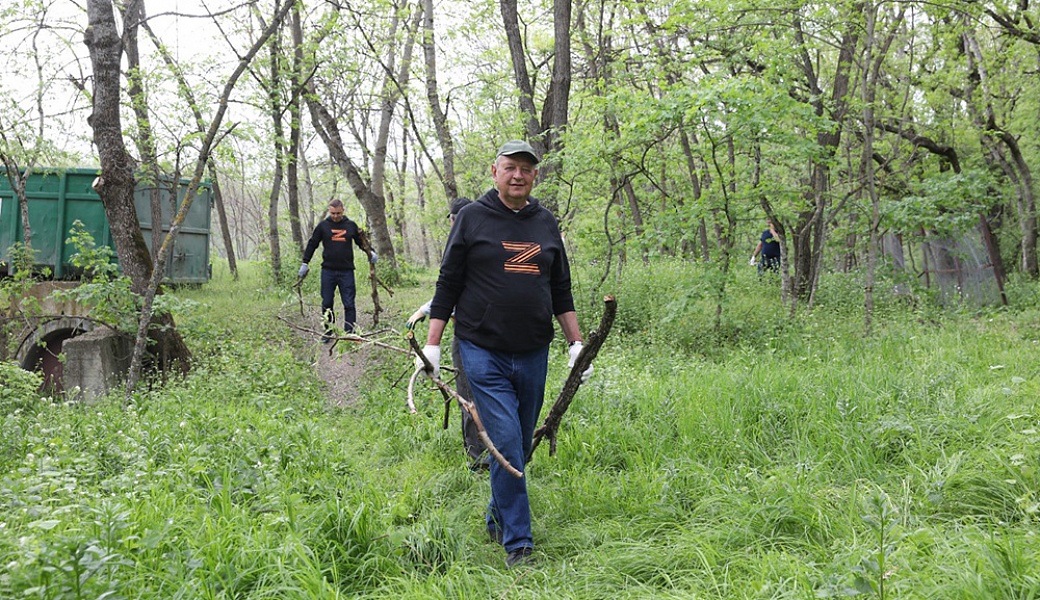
<point>350,337</point>
<point>593,343</point>
<point>373,279</point>
<point>465,405</point>
<point>298,287</point>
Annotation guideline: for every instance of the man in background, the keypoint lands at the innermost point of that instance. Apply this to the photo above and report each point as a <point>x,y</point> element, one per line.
<point>335,234</point>
<point>769,247</point>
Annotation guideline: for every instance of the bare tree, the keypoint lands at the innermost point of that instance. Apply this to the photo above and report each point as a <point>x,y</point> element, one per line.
<point>116,183</point>
<point>440,118</point>
<point>543,134</point>
<point>189,97</point>
<point>295,108</point>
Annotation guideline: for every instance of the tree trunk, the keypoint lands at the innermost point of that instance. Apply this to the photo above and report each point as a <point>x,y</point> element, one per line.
<point>274,104</point>
<point>440,119</point>
<point>545,135</point>
<point>394,82</point>
<point>16,177</point>
<point>809,231</point>
<point>295,107</point>
<point>133,15</point>
<point>867,163</point>
<point>116,183</point>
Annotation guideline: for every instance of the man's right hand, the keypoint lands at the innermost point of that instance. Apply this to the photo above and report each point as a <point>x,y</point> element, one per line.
<point>416,317</point>
<point>432,354</point>
<point>752,261</point>
<point>304,269</point>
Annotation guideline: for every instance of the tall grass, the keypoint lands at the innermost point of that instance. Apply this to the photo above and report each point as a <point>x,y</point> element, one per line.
<point>770,458</point>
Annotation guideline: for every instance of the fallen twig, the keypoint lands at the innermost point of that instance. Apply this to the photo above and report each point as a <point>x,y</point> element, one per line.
<point>465,405</point>
<point>350,337</point>
<point>593,343</point>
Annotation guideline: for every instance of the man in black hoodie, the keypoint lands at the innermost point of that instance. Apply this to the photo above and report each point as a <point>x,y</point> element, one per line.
<point>337,265</point>
<point>505,274</point>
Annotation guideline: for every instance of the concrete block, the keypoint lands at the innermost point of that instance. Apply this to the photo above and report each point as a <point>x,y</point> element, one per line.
<point>96,362</point>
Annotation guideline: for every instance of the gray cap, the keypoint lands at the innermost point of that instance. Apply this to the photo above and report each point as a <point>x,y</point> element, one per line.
<point>518,147</point>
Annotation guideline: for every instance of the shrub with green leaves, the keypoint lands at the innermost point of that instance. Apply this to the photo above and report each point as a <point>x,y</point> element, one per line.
<point>102,288</point>
<point>18,388</point>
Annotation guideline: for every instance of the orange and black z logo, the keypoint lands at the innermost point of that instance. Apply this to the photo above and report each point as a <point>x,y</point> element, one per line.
<point>524,253</point>
<point>339,235</point>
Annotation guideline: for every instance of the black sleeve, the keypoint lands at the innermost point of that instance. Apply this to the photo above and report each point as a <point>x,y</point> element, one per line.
<point>312,245</point>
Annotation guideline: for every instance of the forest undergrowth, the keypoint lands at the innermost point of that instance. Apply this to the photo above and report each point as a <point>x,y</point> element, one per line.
<point>769,457</point>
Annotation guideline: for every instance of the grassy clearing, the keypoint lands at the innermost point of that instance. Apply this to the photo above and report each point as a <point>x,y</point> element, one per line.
<point>772,458</point>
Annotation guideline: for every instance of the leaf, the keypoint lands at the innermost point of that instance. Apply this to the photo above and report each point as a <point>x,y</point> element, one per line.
<point>45,525</point>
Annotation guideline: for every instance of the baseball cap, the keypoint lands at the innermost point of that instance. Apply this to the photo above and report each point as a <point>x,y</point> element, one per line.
<point>456,206</point>
<point>518,147</point>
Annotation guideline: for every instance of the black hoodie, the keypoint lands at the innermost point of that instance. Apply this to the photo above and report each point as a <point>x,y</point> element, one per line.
<point>337,254</point>
<point>506,275</point>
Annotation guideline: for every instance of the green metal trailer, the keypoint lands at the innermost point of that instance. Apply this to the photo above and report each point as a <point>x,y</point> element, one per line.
<point>58,197</point>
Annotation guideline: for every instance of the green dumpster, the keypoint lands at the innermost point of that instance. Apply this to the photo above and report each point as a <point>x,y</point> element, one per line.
<point>58,197</point>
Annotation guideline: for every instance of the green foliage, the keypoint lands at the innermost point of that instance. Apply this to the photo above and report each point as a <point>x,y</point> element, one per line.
<point>18,304</point>
<point>18,388</point>
<point>788,459</point>
<point>946,203</point>
<point>107,294</point>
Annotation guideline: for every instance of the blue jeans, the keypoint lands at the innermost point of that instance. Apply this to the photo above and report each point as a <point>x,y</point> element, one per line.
<point>508,389</point>
<point>330,282</point>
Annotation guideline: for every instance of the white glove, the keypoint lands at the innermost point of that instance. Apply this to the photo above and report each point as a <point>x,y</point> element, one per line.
<point>432,354</point>
<point>573,352</point>
<point>372,258</point>
<point>304,269</point>
<point>416,317</point>
<point>752,261</point>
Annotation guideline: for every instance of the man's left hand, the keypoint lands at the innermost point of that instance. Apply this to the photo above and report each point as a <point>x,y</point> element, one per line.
<point>372,258</point>
<point>573,352</point>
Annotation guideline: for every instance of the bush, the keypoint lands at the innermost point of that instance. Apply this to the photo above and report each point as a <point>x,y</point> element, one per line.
<point>18,388</point>
<point>675,303</point>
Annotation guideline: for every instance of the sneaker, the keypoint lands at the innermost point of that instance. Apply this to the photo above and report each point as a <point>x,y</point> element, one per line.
<point>519,557</point>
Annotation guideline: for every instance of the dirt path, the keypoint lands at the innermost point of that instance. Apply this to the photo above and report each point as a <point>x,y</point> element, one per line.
<point>342,369</point>
<point>340,365</point>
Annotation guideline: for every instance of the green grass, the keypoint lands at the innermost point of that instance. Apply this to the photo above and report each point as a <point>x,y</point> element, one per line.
<point>774,457</point>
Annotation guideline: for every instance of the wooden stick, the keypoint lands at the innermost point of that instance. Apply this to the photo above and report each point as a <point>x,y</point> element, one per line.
<point>467,406</point>
<point>366,245</point>
<point>299,292</point>
<point>411,390</point>
<point>590,349</point>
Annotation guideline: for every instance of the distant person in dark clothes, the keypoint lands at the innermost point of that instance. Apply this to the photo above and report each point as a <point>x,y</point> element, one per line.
<point>335,234</point>
<point>474,447</point>
<point>769,247</point>
<point>505,275</point>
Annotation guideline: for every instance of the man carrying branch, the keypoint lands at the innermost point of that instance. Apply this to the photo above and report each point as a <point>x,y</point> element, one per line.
<point>335,235</point>
<point>505,274</point>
